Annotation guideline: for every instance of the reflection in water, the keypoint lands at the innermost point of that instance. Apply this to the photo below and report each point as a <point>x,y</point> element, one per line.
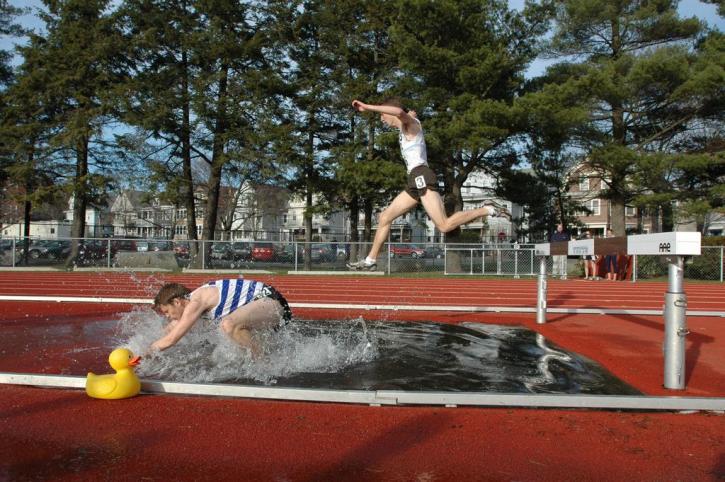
<point>354,354</point>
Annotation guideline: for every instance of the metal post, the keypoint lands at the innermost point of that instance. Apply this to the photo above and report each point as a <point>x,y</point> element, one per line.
<point>634,268</point>
<point>294,246</point>
<point>14,253</point>
<point>541,292</point>
<point>203,255</point>
<point>722,265</point>
<point>531,261</point>
<point>675,326</point>
<point>470,262</point>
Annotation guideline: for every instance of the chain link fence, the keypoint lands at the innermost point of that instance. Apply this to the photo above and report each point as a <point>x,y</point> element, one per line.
<point>422,259</point>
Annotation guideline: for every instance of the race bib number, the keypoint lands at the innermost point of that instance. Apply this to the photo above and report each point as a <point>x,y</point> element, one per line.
<point>420,182</point>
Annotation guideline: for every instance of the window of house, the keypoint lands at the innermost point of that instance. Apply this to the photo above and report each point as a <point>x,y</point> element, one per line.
<point>583,183</point>
<point>52,230</point>
<point>630,211</point>
<point>284,219</point>
<point>594,206</point>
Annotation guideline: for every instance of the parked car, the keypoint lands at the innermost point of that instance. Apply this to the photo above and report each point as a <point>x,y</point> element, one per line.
<point>58,249</point>
<point>124,245</point>
<point>242,250</point>
<point>263,252</point>
<point>222,250</point>
<point>433,252</point>
<point>94,250</point>
<point>405,250</point>
<point>45,249</point>
<point>322,252</point>
<point>286,253</point>
<point>6,244</point>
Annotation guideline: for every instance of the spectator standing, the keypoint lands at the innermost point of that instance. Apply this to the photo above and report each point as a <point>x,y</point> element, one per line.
<point>610,261</point>
<point>559,268</point>
<point>590,262</point>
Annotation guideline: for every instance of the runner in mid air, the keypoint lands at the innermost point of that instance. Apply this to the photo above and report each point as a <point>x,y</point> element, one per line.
<point>422,185</point>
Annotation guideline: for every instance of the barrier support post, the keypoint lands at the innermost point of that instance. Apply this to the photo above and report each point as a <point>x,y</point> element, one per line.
<point>541,292</point>
<point>675,325</point>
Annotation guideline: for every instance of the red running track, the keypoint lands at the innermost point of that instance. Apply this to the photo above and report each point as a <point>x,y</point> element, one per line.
<point>382,290</point>
<point>63,435</point>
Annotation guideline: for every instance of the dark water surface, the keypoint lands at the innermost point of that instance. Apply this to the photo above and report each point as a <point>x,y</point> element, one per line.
<point>471,357</point>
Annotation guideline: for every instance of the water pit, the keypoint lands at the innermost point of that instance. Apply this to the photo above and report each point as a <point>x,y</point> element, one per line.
<point>334,354</point>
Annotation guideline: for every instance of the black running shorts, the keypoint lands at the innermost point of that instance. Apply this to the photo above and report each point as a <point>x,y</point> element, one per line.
<point>420,179</point>
<point>270,292</point>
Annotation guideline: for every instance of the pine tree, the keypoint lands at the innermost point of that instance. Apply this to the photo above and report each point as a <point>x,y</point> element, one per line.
<point>631,76</point>
<point>157,95</point>
<point>79,63</point>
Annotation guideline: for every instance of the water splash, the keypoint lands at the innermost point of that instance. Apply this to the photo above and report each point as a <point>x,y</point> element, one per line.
<point>205,354</point>
<point>373,355</point>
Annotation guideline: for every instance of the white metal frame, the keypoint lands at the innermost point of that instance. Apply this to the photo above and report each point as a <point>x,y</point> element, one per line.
<point>393,397</point>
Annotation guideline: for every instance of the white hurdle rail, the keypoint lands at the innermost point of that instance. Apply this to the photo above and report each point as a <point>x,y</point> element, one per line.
<point>673,245</point>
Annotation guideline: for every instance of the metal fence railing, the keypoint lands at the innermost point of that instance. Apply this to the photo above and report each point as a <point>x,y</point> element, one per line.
<point>419,259</point>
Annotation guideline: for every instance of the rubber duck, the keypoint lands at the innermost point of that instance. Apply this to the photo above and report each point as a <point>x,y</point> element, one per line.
<point>123,384</point>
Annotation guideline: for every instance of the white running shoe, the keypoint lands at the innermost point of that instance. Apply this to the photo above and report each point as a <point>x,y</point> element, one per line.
<point>362,265</point>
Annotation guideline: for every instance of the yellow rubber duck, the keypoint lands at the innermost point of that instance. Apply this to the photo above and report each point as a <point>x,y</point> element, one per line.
<point>123,384</point>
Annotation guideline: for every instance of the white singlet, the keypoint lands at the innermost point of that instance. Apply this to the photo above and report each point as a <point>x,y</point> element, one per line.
<point>233,293</point>
<point>413,151</point>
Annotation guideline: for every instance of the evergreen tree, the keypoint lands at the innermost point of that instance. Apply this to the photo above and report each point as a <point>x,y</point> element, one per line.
<point>9,29</point>
<point>157,96</point>
<point>78,61</point>
<point>367,175</point>
<point>632,72</point>
<point>308,29</point>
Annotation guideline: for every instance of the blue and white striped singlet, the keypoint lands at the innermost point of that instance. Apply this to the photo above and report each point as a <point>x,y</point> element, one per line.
<point>233,293</point>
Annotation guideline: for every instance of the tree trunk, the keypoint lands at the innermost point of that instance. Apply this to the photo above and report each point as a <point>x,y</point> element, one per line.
<point>188,181</point>
<point>27,207</point>
<point>354,236</point>
<point>217,160</point>
<point>668,218</point>
<point>308,197</point>
<point>80,199</point>
<point>368,227</point>
<point>619,135</point>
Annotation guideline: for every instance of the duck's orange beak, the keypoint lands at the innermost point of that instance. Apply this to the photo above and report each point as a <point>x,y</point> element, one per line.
<point>134,361</point>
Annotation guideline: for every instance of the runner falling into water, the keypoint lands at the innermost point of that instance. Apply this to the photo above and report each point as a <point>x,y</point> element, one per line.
<point>238,307</point>
<point>422,185</point>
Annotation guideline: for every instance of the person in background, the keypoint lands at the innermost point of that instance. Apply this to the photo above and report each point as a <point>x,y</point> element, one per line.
<point>610,262</point>
<point>559,268</point>
<point>590,261</point>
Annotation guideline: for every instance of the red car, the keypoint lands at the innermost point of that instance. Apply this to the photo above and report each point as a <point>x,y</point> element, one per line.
<point>406,250</point>
<point>263,252</point>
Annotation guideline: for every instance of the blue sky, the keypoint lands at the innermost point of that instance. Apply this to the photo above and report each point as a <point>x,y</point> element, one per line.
<point>687,8</point>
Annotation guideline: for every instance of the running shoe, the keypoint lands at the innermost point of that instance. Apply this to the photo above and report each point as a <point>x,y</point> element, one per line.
<point>362,266</point>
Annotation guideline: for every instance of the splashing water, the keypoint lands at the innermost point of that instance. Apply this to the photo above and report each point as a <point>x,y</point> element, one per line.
<point>206,354</point>
<point>373,355</point>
